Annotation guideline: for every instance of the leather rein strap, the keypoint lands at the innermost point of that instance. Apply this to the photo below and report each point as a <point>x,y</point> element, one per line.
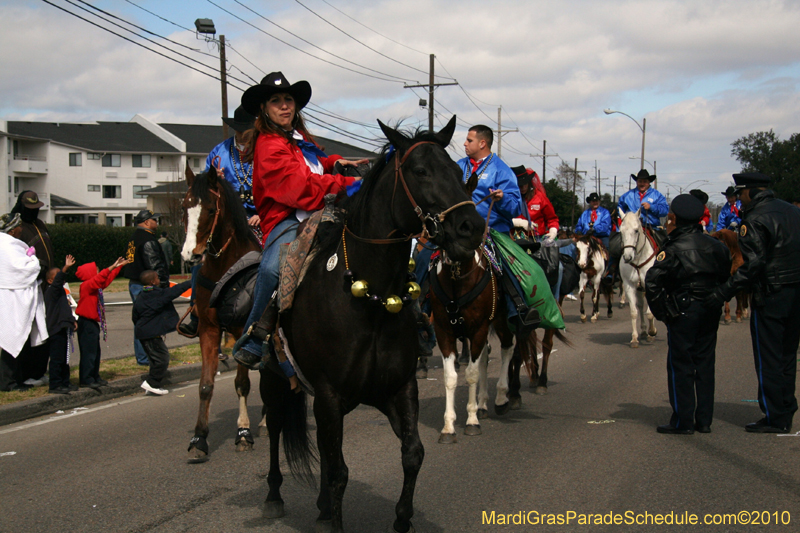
<point>214,227</point>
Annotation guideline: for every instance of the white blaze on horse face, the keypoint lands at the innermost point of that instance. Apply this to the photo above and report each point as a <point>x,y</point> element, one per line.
<point>629,228</point>
<point>583,254</point>
<point>193,216</point>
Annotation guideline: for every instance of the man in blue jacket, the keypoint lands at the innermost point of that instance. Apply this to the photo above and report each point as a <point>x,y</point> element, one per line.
<point>652,203</point>
<point>730,216</point>
<point>595,221</point>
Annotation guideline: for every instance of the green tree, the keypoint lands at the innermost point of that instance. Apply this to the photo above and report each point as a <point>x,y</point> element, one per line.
<point>764,152</point>
<point>563,202</point>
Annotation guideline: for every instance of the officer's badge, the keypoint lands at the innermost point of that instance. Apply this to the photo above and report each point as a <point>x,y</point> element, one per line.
<point>743,231</point>
<point>661,256</point>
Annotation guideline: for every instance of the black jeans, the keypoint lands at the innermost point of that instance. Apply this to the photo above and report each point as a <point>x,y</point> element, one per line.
<point>692,340</point>
<point>157,352</point>
<point>775,331</point>
<point>89,341</point>
<point>9,374</point>
<point>59,369</point>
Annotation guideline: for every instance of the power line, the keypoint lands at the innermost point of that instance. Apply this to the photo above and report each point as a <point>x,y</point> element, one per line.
<point>359,42</point>
<point>299,49</point>
<point>160,17</point>
<point>374,31</point>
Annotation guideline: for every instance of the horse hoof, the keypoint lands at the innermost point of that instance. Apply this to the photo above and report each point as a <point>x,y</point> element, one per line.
<point>634,344</point>
<point>651,338</point>
<point>262,431</point>
<point>422,373</point>
<point>483,414</point>
<point>197,456</point>
<point>244,446</point>
<point>738,320</point>
<point>594,319</point>
<point>410,529</point>
<point>273,509</point>
<point>500,410</point>
<point>583,318</point>
<point>323,526</point>
<point>727,322</point>
<point>541,391</point>
<point>447,438</point>
<point>471,430</point>
<point>516,403</point>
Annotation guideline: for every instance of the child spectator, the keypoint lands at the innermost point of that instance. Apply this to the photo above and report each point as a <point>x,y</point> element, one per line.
<point>60,324</point>
<point>92,318</point>
<point>154,316</point>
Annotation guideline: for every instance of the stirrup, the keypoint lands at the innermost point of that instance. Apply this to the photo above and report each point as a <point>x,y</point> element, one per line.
<point>245,357</point>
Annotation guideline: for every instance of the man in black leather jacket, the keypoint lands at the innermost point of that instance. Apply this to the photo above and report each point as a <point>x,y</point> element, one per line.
<point>769,237</point>
<point>689,267</point>
<point>144,253</point>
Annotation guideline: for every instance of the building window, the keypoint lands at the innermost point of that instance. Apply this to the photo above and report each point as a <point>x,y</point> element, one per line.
<point>137,189</point>
<point>141,161</point>
<point>91,219</point>
<point>114,221</point>
<point>112,191</point>
<point>94,188</point>
<point>75,160</point>
<point>112,160</point>
<point>94,157</point>
<point>195,162</point>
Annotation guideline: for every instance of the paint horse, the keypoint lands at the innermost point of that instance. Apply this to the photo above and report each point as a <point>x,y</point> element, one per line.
<point>353,339</point>
<point>592,262</point>
<point>216,233</point>
<point>731,240</point>
<point>638,255</point>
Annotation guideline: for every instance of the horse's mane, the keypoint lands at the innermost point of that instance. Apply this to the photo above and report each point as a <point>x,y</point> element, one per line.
<point>238,215</point>
<point>353,208</point>
<point>594,246</point>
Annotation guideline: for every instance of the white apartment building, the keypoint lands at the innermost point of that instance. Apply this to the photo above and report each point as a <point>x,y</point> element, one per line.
<point>100,172</point>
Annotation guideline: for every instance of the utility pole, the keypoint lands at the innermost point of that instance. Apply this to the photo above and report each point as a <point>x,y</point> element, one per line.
<point>224,80</point>
<point>431,86</point>
<point>501,131</point>
<point>574,191</point>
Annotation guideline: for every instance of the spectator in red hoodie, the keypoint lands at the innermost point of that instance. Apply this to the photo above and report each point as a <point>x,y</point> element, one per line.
<point>92,318</point>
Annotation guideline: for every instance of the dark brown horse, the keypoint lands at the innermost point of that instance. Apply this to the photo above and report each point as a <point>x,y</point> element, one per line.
<point>217,234</point>
<point>731,240</point>
<point>345,339</point>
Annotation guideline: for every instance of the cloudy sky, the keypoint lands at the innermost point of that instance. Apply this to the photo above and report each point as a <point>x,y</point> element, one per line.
<point>703,73</point>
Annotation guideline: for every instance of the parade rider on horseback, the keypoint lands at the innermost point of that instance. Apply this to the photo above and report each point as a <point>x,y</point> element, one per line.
<point>730,215</point>
<point>595,221</point>
<point>651,204</point>
<point>542,214</point>
<point>484,173</point>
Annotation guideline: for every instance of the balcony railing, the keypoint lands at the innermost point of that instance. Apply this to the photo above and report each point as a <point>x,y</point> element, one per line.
<point>23,157</point>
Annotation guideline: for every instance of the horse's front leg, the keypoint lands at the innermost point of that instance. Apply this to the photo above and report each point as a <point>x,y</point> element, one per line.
<point>727,319</point>
<point>581,289</point>
<point>448,434</point>
<point>630,293</point>
<point>329,416</point>
<point>501,402</point>
<point>273,395</point>
<point>471,374</point>
<point>651,320</point>
<point>483,383</point>
<point>547,347</point>
<point>244,437</point>
<point>596,287</point>
<point>209,347</point>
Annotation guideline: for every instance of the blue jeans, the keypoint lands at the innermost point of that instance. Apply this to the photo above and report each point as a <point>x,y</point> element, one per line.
<point>267,280</point>
<point>135,289</point>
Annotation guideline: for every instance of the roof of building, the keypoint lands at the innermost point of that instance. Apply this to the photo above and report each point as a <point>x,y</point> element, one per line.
<point>59,201</point>
<point>100,137</point>
<point>175,187</point>
<point>199,139</point>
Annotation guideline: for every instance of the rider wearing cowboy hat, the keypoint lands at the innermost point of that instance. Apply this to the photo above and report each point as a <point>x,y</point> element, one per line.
<point>595,221</point>
<point>652,203</point>
<point>703,197</point>
<point>541,211</point>
<point>688,268</point>
<point>729,215</point>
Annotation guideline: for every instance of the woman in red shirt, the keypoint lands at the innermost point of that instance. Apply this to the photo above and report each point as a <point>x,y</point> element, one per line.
<point>291,176</point>
<point>541,211</point>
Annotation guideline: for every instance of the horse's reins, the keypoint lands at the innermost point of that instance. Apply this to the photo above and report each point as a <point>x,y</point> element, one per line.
<point>636,249</point>
<point>215,164</point>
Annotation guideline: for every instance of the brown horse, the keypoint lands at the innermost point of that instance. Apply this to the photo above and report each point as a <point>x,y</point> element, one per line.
<point>217,234</point>
<point>731,240</point>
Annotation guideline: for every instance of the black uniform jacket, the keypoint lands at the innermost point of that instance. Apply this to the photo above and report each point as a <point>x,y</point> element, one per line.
<point>154,313</point>
<point>691,265</point>
<point>56,306</point>
<point>145,253</point>
<point>770,241</point>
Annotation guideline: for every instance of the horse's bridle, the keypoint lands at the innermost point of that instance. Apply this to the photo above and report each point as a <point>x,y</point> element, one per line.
<point>214,227</point>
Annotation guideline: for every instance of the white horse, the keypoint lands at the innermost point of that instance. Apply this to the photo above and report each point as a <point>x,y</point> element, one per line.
<point>592,262</point>
<point>638,255</point>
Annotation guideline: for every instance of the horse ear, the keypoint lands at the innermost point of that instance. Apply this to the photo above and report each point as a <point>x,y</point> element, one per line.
<point>400,142</point>
<point>445,135</point>
<point>189,176</point>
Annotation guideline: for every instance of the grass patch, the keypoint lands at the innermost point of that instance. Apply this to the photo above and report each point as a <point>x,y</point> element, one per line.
<point>112,369</point>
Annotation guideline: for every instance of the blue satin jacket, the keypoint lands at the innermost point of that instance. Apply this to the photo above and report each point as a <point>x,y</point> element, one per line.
<point>629,202</point>
<point>237,173</point>
<point>602,226</point>
<point>726,216</point>
<point>494,174</point>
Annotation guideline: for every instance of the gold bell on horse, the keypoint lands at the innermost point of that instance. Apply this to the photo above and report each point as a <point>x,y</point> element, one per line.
<point>359,288</point>
<point>393,304</point>
<point>411,265</point>
<point>413,289</point>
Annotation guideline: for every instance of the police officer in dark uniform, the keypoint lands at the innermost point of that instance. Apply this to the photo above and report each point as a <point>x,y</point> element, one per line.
<point>689,267</point>
<point>769,237</point>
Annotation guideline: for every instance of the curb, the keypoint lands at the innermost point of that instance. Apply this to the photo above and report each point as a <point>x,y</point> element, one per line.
<point>26,409</point>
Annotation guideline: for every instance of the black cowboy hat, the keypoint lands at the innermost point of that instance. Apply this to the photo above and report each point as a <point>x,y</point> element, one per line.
<point>700,195</point>
<point>274,83</point>
<point>730,191</point>
<point>524,175</point>
<point>747,180</point>
<point>644,174</point>
<point>592,198</point>
<point>241,121</point>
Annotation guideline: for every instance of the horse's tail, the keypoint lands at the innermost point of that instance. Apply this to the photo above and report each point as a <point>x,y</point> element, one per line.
<point>300,453</point>
<point>563,338</point>
<point>528,352</point>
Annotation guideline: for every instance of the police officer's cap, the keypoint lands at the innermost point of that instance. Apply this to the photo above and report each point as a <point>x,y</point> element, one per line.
<point>592,198</point>
<point>687,208</point>
<point>144,215</point>
<point>730,191</point>
<point>700,195</point>
<point>747,180</point>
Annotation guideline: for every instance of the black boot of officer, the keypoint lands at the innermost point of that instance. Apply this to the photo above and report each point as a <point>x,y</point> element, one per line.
<point>690,266</point>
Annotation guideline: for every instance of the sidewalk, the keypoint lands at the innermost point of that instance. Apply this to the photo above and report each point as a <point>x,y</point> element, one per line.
<point>48,405</point>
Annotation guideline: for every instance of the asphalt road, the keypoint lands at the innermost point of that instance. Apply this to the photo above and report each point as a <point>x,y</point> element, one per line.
<point>589,446</point>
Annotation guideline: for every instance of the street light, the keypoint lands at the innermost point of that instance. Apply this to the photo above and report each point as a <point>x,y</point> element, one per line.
<point>206,27</point>
<point>653,164</point>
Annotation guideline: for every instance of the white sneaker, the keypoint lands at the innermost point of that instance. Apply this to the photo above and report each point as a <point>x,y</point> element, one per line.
<point>571,297</point>
<point>152,390</point>
<point>34,382</point>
